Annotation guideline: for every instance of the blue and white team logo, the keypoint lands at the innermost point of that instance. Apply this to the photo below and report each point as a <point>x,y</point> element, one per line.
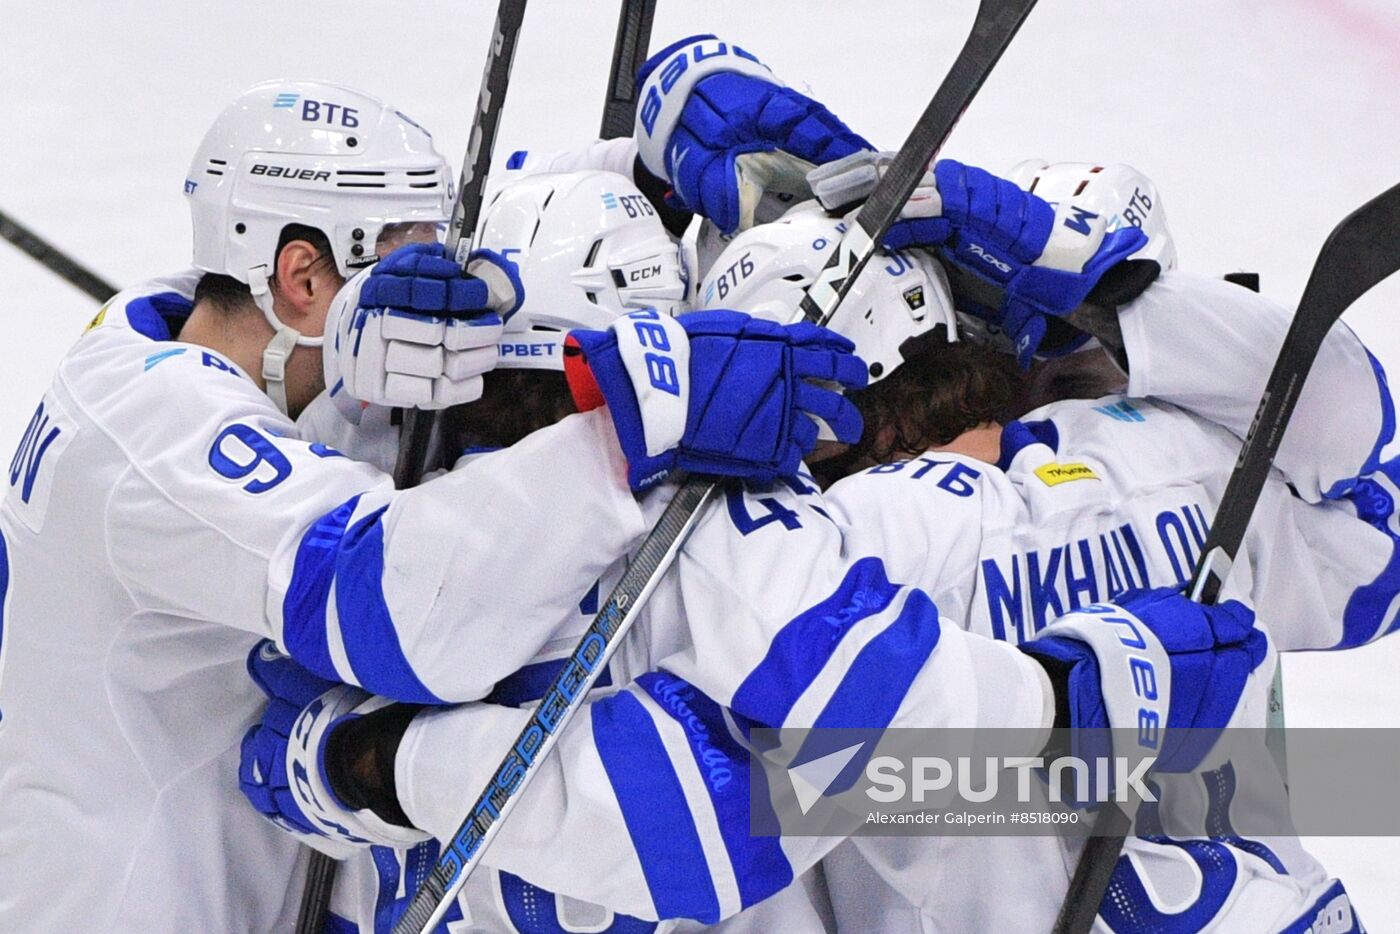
<point>314,111</point>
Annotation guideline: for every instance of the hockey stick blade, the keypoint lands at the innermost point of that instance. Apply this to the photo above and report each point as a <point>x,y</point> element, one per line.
<point>997,22</point>
<point>417,429</point>
<point>629,52</point>
<point>55,260</point>
<point>1360,252</point>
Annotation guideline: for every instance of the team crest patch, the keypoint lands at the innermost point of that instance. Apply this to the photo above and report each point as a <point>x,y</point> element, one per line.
<point>1053,474</point>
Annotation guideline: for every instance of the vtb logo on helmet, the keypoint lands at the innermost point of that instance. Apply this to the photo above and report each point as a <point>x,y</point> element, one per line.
<point>765,270</point>
<point>1118,192</point>
<point>588,253</point>
<point>303,152</point>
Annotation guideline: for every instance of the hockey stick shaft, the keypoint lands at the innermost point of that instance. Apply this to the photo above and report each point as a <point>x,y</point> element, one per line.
<point>55,260</point>
<point>997,22</point>
<point>629,52</point>
<point>316,896</point>
<point>417,430</point>
<point>1361,251</point>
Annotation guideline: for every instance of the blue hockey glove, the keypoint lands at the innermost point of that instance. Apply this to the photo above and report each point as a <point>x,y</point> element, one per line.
<point>281,770</point>
<point>418,331</point>
<point>1155,665</point>
<point>1047,258</point>
<point>715,392</point>
<point>718,125</point>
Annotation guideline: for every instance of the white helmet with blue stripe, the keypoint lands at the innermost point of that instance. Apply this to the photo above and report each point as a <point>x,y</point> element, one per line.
<point>590,247</point>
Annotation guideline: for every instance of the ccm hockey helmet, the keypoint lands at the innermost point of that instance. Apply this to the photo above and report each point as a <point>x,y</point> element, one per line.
<point>765,269</point>
<point>590,248</point>
<point>1121,193</point>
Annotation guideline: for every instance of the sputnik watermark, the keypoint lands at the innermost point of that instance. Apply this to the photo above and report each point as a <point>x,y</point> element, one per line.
<point>929,774</point>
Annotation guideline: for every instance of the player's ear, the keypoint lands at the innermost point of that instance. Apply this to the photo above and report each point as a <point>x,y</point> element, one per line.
<point>307,280</point>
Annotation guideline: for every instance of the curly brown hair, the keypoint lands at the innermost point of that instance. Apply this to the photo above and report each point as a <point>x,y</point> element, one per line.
<point>940,391</point>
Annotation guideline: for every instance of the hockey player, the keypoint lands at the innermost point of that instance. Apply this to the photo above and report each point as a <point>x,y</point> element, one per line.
<point>1160,563</point>
<point>163,515</point>
<point>1148,540</point>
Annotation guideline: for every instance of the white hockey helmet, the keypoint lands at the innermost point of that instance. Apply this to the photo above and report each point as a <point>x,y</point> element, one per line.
<point>306,152</point>
<point>1118,192</point>
<point>590,247</point>
<point>765,269</point>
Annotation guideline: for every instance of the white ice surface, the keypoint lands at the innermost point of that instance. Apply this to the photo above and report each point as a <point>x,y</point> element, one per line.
<point>1263,122</point>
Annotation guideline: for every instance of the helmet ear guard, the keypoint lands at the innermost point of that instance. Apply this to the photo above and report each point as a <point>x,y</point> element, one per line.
<point>898,296</point>
<point>590,248</point>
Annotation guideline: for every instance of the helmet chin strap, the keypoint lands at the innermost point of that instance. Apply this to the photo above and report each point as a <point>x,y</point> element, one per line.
<point>284,340</point>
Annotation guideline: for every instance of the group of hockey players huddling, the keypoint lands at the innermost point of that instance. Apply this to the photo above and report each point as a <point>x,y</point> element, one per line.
<point>204,494</point>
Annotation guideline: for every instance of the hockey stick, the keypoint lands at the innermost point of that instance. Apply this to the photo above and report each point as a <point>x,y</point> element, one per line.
<point>996,23</point>
<point>417,430</point>
<point>629,52</point>
<point>55,260</point>
<point>1359,253</point>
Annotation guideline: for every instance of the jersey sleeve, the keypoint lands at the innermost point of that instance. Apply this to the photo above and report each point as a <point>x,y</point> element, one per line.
<point>1325,547</point>
<point>223,514</point>
<point>645,805</point>
<point>1209,346</point>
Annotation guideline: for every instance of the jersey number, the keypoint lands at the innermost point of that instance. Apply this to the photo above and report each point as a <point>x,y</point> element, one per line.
<point>241,450</point>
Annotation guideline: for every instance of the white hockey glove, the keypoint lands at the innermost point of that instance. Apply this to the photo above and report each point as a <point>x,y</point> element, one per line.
<point>414,330</point>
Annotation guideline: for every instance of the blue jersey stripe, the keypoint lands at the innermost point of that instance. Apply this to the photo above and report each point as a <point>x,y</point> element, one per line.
<point>304,609</point>
<point>4,593</point>
<point>802,648</point>
<point>654,807</point>
<point>1364,616</point>
<point>366,628</point>
<point>761,868</point>
<point>874,687</point>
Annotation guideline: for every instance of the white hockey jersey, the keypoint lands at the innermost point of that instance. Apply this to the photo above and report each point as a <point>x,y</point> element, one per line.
<point>160,516</point>
<point>644,807</point>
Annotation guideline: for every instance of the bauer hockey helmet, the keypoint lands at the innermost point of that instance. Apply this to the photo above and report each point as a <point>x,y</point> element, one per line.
<point>304,152</point>
<point>590,247</point>
<point>897,296</point>
<point>1118,192</point>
